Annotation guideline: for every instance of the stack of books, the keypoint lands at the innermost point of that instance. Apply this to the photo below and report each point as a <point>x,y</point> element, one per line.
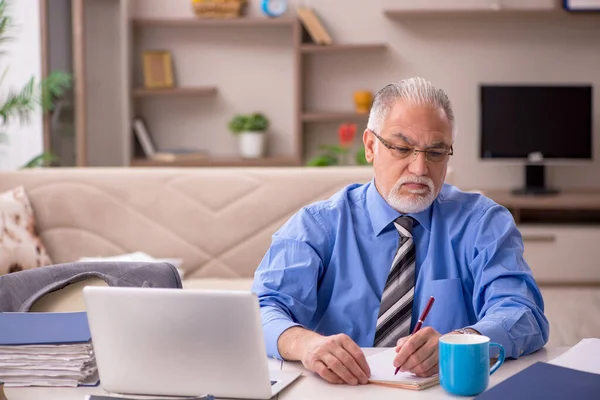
<point>46,349</point>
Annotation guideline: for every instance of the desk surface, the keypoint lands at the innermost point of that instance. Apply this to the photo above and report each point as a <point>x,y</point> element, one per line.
<point>311,386</point>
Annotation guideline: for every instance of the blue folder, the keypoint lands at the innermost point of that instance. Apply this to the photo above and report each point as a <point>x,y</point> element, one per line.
<point>44,328</point>
<point>548,382</point>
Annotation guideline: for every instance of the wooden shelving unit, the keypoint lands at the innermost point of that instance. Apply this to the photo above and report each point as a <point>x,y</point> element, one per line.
<point>302,116</point>
<point>333,116</point>
<point>339,48</point>
<point>175,92</point>
<point>244,22</point>
<point>219,162</point>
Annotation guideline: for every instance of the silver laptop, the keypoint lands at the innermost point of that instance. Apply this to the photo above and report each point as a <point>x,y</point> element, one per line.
<point>176,342</point>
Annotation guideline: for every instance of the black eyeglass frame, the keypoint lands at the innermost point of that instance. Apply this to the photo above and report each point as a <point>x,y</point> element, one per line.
<point>415,151</point>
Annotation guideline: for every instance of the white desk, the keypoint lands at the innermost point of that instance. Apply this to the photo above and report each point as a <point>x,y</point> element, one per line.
<point>80,393</point>
<point>311,386</point>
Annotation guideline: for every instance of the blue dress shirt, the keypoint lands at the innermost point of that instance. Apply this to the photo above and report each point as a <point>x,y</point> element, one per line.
<point>327,266</point>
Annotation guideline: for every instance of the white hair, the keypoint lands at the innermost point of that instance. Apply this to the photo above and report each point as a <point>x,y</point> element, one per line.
<point>417,91</point>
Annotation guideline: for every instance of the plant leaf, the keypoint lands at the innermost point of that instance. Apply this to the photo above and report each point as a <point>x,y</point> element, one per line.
<point>54,86</point>
<point>44,159</point>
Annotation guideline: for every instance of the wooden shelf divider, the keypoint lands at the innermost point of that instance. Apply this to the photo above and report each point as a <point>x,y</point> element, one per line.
<point>335,48</point>
<point>216,22</point>
<point>176,91</point>
<point>483,12</point>
<point>333,116</point>
<point>219,162</point>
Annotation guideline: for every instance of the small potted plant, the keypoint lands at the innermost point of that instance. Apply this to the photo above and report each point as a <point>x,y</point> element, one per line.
<point>251,129</point>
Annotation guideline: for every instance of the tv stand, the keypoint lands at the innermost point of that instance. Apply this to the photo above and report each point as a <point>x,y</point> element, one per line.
<point>535,191</point>
<point>535,182</point>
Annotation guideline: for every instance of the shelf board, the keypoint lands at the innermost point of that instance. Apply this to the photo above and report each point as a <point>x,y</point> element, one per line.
<point>484,12</point>
<point>334,48</point>
<point>175,92</point>
<point>214,22</point>
<point>219,162</point>
<point>333,116</point>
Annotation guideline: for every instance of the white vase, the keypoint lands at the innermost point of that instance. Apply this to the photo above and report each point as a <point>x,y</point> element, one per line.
<point>252,144</point>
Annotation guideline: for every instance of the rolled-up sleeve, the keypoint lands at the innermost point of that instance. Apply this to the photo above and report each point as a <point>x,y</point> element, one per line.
<point>506,299</point>
<point>287,278</point>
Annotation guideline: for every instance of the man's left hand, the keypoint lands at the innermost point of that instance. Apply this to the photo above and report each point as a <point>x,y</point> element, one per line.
<point>418,353</point>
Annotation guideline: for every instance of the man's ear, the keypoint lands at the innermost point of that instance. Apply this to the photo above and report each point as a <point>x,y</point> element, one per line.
<point>369,142</point>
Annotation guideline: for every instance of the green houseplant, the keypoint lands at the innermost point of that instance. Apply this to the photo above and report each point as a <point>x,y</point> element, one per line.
<point>251,130</point>
<point>20,104</point>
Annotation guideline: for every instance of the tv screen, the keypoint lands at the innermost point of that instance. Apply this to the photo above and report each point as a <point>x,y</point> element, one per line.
<point>555,121</point>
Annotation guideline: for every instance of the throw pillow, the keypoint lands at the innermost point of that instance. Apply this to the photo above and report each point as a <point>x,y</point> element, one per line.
<point>20,246</point>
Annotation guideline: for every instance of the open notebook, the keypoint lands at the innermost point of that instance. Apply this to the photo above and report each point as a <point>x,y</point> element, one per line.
<point>382,373</point>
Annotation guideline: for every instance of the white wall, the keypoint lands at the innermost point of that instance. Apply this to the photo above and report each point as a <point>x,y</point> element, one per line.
<point>23,59</point>
<point>455,53</point>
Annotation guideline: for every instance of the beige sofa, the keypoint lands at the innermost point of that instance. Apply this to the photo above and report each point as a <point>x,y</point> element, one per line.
<point>218,220</point>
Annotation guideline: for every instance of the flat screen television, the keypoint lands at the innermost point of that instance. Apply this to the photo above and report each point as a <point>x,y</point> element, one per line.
<point>538,124</point>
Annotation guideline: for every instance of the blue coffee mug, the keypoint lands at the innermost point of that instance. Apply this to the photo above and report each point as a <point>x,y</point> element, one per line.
<point>464,362</point>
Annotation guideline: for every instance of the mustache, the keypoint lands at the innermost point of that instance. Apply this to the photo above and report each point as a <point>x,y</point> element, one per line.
<point>421,180</point>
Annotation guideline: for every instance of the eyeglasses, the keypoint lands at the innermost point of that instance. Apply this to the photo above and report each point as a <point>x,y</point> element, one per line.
<point>402,152</point>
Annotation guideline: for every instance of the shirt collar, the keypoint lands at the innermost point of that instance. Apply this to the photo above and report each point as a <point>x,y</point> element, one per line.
<point>382,214</point>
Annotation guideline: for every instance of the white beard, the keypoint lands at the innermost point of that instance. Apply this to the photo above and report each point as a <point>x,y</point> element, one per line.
<point>418,200</point>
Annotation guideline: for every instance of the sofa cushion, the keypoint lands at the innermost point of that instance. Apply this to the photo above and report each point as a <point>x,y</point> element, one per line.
<point>20,246</point>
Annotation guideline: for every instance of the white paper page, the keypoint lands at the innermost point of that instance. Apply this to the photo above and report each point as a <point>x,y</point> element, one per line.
<point>583,356</point>
<point>382,369</point>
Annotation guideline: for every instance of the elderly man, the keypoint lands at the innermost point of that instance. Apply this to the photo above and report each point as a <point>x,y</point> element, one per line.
<point>357,269</point>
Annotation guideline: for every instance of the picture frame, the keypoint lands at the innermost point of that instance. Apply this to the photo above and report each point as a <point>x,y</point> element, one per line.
<point>158,69</point>
<point>582,5</point>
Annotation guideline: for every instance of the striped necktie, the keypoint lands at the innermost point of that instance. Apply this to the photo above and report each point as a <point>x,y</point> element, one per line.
<point>393,321</point>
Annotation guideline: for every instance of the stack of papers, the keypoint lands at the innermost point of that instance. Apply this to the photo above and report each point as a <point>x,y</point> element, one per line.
<point>382,373</point>
<point>46,349</point>
<point>584,356</point>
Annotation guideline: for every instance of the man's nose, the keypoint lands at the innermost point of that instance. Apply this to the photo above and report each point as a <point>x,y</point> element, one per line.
<point>418,164</point>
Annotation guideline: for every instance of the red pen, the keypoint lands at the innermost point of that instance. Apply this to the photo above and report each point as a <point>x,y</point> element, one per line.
<point>420,321</point>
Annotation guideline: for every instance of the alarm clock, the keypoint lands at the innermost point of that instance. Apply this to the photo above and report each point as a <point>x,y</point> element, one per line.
<point>274,8</point>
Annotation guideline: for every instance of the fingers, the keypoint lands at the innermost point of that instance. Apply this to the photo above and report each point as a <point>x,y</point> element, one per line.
<point>339,368</point>
<point>357,354</point>
<point>325,373</point>
<point>423,360</point>
<point>417,349</point>
<point>338,356</point>
<point>431,371</point>
<point>401,342</point>
<point>410,346</point>
<point>348,361</point>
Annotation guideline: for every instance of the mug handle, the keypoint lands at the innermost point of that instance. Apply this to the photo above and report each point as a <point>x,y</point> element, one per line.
<point>500,360</point>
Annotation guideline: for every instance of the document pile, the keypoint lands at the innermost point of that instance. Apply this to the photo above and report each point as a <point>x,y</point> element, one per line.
<point>46,349</point>
<point>383,373</point>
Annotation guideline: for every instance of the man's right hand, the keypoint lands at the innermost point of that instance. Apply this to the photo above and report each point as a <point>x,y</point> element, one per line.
<point>337,359</point>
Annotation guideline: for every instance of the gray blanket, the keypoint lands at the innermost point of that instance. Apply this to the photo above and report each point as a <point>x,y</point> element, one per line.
<point>20,290</point>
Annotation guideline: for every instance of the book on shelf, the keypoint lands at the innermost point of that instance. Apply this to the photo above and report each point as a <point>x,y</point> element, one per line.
<point>165,155</point>
<point>313,26</point>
